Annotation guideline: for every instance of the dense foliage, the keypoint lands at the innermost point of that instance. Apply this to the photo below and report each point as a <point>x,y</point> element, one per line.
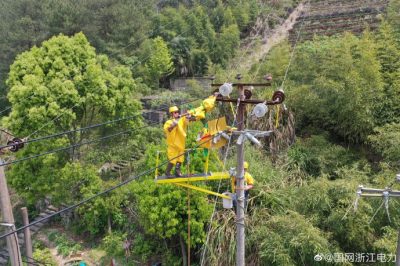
<point>70,64</point>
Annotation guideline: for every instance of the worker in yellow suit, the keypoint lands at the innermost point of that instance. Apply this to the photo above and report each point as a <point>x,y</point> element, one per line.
<point>248,183</point>
<point>175,131</point>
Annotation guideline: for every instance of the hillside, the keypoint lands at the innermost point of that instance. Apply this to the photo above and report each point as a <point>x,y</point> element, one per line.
<point>332,17</point>
<point>81,77</point>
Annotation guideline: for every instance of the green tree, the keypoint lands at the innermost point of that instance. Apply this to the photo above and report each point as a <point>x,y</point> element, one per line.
<point>386,142</point>
<point>226,45</point>
<point>335,77</point>
<point>64,85</point>
<point>290,240</point>
<point>163,212</point>
<point>388,52</point>
<point>394,16</point>
<point>22,26</point>
<point>160,61</point>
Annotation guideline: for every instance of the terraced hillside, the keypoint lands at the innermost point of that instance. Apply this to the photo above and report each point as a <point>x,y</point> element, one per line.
<point>331,17</point>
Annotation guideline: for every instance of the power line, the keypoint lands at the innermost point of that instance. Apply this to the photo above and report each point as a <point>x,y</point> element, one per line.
<point>9,107</point>
<point>52,121</point>
<point>38,262</point>
<point>291,56</point>
<point>84,128</point>
<point>265,55</point>
<point>71,131</point>
<point>105,191</point>
<point>83,143</point>
<point>73,146</point>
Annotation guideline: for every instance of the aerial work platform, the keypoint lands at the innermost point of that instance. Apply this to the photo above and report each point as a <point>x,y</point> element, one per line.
<point>193,177</point>
<point>184,180</point>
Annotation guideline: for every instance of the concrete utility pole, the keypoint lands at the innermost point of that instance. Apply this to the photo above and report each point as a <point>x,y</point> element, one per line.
<point>240,233</point>
<point>27,234</point>
<point>8,220</point>
<point>241,102</point>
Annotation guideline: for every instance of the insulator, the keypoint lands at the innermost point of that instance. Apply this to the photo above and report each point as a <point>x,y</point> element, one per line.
<point>260,110</point>
<point>16,143</point>
<point>225,136</point>
<point>278,96</point>
<point>225,89</point>
<point>247,94</point>
<point>253,139</point>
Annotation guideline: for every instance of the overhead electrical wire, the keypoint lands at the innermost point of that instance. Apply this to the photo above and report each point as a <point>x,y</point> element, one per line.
<point>51,121</point>
<point>83,143</point>
<point>72,131</point>
<point>74,146</point>
<point>105,191</point>
<point>226,153</point>
<point>247,48</point>
<point>9,107</point>
<point>265,55</point>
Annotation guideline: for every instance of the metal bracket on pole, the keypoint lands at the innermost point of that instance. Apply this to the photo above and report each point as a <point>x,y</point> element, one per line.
<point>251,135</point>
<point>7,224</point>
<point>386,199</point>
<point>359,192</point>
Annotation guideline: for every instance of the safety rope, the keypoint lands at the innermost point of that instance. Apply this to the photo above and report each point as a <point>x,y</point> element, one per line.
<point>277,116</point>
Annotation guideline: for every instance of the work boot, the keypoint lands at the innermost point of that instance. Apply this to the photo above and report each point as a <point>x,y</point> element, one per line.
<point>178,170</point>
<point>168,170</point>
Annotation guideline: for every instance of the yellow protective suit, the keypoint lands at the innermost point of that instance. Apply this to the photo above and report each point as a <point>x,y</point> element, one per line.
<point>176,138</point>
<point>248,180</point>
<point>206,106</point>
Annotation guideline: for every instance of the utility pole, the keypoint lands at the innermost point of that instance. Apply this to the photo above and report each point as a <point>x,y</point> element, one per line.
<point>240,232</point>
<point>27,234</point>
<point>385,194</point>
<point>243,99</point>
<point>8,219</point>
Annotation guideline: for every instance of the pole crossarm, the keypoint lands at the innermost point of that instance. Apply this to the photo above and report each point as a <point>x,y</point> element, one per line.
<point>251,135</point>
<point>376,192</point>
<point>255,133</point>
<point>248,101</point>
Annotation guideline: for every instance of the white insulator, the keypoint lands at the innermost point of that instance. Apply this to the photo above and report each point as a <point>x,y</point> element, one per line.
<point>216,139</point>
<point>225,89</point>
<point>241,139</point>
<point>253,139</point>
<point>225,136</point>
<point>260,110</point>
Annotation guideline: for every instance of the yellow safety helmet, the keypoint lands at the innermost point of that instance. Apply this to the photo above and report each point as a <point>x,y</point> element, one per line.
<point>173,109</point>
<point>245,165</point>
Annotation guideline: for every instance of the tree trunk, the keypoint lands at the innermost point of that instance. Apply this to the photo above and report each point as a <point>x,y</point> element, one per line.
<point>109,224</point>
<point>183,250</point>
<point>398,249</point>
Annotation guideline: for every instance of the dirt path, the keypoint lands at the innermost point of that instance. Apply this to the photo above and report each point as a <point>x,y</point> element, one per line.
<point>275,37</point>
<point>60,260</point>
<point>43,238</point>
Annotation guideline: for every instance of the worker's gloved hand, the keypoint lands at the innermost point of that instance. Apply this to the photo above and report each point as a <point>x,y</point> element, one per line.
<point>175,122</point>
